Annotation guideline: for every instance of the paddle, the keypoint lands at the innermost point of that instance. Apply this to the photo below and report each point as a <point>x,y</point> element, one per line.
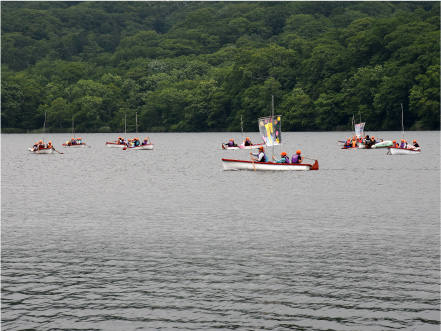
<point>57,151</point>
<point>252,160</point>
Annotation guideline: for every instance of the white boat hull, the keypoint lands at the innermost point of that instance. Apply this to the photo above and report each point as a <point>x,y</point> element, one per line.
<point>42,151</point>
<point>229,164</point>
<point>241,146</point>
<point>142,147</point>
<point>115,145</point>
<point>75,146</point>
<point>403,151</point>
<point>383,144</point>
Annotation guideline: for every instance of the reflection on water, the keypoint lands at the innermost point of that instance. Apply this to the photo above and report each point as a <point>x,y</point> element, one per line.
<point>104,239</point>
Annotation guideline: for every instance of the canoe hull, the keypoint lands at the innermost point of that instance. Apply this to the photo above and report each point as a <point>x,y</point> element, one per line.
<point>75,146</point>
<point>383,144</point>
<point>115,145</point>
<point>230,164</point>
<point>142,147</point>
<point>42,151</point>
<point>243,147</point>
<point>403,151</point>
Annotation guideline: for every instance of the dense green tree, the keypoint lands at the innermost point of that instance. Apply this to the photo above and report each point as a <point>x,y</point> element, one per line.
<point>197,66</point>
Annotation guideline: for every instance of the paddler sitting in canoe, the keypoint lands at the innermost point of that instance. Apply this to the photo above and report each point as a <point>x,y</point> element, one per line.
<point>146,141</point>
<point>261,157</point>
<point>247,142</point>
<point>297,158</point>
<point>283,158</point>
<point>231,143</point>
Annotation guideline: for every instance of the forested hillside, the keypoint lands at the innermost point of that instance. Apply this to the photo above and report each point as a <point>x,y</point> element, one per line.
<point>201,66</point>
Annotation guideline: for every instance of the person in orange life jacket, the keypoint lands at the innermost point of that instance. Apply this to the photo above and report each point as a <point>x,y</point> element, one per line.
<point>283,159</point>
<point>49,144</point>
<point>354,142</point>
<point>415,144</point>
<point>395,144</point>
<point>297,158</point>
<point>261,157</point>
<point>247,142</point>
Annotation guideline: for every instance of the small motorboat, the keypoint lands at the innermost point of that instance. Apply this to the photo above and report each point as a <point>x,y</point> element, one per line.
<point>403,151</point>
<point>230,164</point>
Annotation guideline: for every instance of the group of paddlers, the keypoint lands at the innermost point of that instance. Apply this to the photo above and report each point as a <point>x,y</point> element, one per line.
<point>404,144</point>
<point>231,143</point>
<point>356,141</point>
<point>284,158</point>
<point>40,145</point>
<point>135,142</point>
<point>74,141</point>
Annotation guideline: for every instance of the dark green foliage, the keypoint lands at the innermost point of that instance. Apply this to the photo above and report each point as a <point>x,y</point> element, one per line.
<point>201,66</point>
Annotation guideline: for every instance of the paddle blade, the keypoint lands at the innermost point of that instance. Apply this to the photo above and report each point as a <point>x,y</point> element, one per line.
<point>315,166</point>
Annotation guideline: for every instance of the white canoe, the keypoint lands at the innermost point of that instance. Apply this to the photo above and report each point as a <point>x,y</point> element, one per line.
<point>142,147</point>
<point>41,150</point>
<point>403,151</point>
<point>115,145</point>
<point>229,164</point>
<point>241,146</point>
<point>82,145</point>
<point>383,144</point>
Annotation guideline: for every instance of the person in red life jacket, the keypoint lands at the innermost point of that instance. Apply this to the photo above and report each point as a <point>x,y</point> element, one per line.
<point>247,142</point>
<point>40,144</point>
<point>415,144</point>
<point>261,157</point>
<point>49,144</point>
<point>297,158</point>
<point>283,158</point>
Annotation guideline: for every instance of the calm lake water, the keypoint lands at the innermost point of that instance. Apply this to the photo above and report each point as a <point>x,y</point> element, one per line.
<point>106,239</point>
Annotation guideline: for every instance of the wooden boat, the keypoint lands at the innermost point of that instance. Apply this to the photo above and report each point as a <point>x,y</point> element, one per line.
<point>403,151</point>
<point>113,144</point>
<point>241,146</point>
<point>42,150</point>
<point>410,149</point>
<point>230,164</point>
<point>141,147</point>
<point>82,145</point>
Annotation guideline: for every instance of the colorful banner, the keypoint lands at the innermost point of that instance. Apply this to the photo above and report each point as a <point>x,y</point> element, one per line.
<point>359,130</point>
<point>271,130</point>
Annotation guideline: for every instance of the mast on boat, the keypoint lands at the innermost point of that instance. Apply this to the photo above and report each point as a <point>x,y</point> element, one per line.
<point>44,124</point>
<point>136,122</point>
<point>402,120</point>
<point>125,126</point>
<point>241,127</point>
<point>272,121</point>
<point>73,132</point>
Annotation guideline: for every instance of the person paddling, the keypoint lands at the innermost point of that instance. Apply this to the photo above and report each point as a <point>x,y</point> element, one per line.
<point>283,158</point>
<point>261,157</point>
<point>297,158</point>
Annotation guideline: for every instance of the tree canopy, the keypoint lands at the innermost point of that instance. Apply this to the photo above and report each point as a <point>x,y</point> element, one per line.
<point>201,66</point>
